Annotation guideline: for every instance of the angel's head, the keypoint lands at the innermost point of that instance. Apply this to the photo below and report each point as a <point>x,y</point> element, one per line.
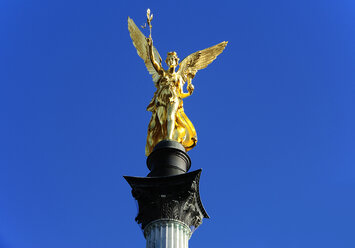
<point>172,59</point>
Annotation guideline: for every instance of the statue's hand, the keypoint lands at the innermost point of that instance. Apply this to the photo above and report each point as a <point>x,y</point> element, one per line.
<point>190,88</point>
<point>149,41</point>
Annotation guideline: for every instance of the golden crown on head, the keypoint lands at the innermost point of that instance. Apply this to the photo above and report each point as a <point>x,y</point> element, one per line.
<point>172,54</point>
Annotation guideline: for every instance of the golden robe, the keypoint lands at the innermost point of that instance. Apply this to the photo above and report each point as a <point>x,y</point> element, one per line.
<point>184,131</point>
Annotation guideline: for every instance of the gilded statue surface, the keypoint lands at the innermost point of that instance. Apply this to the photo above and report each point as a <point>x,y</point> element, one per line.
<point>169,121</point>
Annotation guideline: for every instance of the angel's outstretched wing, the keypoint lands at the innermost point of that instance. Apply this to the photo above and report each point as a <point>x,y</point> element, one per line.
<point>140,43</point>
<point>200,60</point>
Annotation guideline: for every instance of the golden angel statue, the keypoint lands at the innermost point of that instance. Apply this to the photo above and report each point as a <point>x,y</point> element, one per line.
<point>169,121</point>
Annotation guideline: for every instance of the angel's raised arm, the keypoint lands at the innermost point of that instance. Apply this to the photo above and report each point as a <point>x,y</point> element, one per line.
<point>157,66</point>
<point>145,50</point>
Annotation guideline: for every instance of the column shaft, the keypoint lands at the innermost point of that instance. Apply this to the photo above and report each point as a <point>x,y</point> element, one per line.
<point>165,233</point>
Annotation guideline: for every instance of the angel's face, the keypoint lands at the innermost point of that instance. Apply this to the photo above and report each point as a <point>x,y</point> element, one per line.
<point>172,59</point>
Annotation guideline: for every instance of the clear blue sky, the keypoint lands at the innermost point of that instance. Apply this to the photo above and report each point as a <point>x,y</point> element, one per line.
<point>275,117</point>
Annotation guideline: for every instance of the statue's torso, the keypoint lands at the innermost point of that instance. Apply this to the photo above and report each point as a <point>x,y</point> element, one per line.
<point>168,89</point>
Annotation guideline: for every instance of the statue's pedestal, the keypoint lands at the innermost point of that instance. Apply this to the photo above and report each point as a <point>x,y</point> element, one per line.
<point>169,202</point>
<point>168,159</point>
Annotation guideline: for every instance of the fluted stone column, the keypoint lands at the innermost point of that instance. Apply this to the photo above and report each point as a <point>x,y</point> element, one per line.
<point>165,233</point>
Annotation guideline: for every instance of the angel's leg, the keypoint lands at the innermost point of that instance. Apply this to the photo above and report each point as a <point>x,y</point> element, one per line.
<point>171,117</point>
<point>161,112</point>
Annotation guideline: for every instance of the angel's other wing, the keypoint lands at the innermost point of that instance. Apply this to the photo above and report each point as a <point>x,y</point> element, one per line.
<point>140,43</point>
<point>200,60</point>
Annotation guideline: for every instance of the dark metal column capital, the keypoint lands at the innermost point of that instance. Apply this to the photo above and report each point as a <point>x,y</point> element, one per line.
<point>171,197</point>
